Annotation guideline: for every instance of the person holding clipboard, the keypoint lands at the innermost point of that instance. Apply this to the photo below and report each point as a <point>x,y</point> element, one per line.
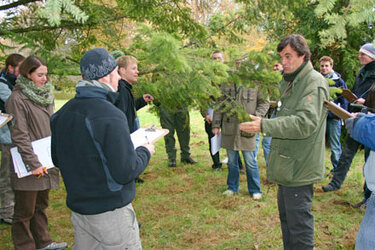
<point>31,104</point>
<point>361,88</point>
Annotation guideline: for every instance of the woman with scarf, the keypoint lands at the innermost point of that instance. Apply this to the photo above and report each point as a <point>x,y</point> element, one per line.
<point>31,104</point>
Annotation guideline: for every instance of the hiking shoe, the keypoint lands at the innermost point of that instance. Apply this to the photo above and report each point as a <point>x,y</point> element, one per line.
<point>329,188</point>
<point>228,193</point>
<point>172,164</point>
<point>139,180</point>
<point>363,207</point>
<point>257,196</point>
<point>189,161</point>
<point>358,205</point>
<point>55,246</point>
<point>217,166</point>
<point>7,221</point>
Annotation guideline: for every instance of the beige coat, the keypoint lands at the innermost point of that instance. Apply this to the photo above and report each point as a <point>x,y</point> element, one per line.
<point>253,102</point>
<point>31,122</point>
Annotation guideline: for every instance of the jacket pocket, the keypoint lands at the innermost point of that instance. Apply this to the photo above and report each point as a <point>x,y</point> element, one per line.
<point>282,170</point>
<point>229,126</point>
<point>248,100</point>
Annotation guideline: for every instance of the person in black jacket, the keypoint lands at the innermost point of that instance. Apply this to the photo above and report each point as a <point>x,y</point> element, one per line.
<point>361,88</point>
<point>128,71</point>
<point>7,81</point>
<point>91,146</point>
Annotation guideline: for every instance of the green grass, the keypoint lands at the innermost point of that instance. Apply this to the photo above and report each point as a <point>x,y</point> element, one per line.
<point>183,207</point>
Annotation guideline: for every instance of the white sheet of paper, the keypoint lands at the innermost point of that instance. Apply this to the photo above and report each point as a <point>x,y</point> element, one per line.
<point>3,119</point>
<point>210,112</point>
<point>215,143</point>
<point>42,148</point>
<point>142,136</point>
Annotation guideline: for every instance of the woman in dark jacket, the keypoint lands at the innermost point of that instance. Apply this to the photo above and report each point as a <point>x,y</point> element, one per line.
<point>31,104</point>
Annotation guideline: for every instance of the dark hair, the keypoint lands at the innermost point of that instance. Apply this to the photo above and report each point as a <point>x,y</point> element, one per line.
<point>30,64</point>
<point>13,60</point>
<point>298,44</point>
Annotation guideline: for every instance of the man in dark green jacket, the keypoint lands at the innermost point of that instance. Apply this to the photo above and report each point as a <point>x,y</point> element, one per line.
<point>296,160</point>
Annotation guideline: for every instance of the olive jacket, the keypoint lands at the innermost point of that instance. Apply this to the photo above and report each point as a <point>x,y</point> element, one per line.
<point>30,122</point>
<point>252,101</point>
<point>297,147</point>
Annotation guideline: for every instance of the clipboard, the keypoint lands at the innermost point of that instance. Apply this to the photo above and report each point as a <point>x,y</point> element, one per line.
<point>147,135</point>
<point>348,95</point>
<point>337,110</point>
<point>5,118</point>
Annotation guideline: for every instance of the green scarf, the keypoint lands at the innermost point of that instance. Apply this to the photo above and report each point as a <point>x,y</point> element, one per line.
<point>39,95</point>
<point>290,77</point>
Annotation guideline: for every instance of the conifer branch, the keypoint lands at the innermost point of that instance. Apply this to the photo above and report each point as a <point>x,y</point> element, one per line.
<point>67,25</point>
<point>18,3</point>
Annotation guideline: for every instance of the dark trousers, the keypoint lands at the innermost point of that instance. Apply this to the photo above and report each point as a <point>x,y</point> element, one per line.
<point>178,121</point>
<point>297,221</point>
<point>29,228</point>
<point>350,149</point>
<point>215,157</point>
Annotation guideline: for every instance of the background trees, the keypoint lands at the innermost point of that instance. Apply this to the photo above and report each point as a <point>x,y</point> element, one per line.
<point>176,37</point>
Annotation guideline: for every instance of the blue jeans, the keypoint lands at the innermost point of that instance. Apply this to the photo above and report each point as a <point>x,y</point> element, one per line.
<point>252,173</point>
<point>365,237</point>
<point>266,145</point>
<point>333,134</point>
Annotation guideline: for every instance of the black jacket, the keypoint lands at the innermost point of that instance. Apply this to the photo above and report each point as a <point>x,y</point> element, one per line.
<point>92,148</point>
<point>126,103</point>
<point>8,80</point>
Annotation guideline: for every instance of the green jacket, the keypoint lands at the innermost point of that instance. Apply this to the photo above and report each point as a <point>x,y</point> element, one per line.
<point>298,131</point>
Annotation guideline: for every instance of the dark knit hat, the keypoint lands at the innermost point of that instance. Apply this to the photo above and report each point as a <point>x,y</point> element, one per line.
<point>97,63</point>
<point>368,49</point>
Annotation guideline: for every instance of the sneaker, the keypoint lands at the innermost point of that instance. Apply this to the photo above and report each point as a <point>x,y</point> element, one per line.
<point>55,246</point>
<point>257,196</point>
<point>228,193</point>
<point>225,161</point>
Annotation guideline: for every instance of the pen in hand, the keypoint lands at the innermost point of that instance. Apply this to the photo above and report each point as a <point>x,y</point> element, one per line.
<point>42,174</point>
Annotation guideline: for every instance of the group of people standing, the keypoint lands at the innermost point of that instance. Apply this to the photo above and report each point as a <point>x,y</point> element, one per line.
<point>28,96</point>
<point>91,145</point>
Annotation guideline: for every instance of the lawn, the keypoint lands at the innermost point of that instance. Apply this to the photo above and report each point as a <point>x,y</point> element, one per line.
<point>183,207</point>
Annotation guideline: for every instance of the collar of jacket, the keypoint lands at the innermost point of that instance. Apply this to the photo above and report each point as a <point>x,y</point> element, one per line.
<point>127,84</point>
<point>96,92</point>
<point>370,66</point>
<point>11,78</point>
<point>308,67</point>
